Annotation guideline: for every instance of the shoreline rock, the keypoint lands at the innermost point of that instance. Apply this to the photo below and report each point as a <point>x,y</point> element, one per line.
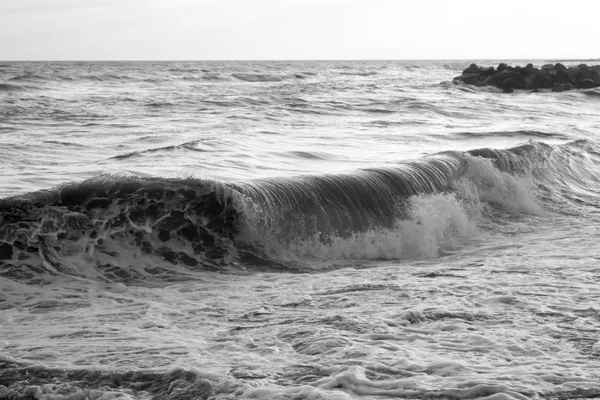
<point>556,77</point>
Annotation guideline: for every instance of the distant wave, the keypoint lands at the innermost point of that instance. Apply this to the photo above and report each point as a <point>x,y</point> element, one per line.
<point>306,155</point>
<point>28,77</point>
<point>359,73</point>
<point>208,77</point>
<point>378,110</point>
<point>91,78</point>
<point>188,70</point>
<point>7,87</point>
<point>192,145</point>
<point>407,211</point>
<point>517,133</point>
<point>105,77</point>
<point>159,104</point>
<point>63,143</point>
<point>238,101</point>
<point>114,77</point>
<point>258,77</point>
<point>213,77</point>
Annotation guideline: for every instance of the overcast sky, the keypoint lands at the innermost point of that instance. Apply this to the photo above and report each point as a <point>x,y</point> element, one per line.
<point>297,29</point>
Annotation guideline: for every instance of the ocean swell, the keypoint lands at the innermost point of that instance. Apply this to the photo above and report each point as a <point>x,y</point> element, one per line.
<point>133,228</point>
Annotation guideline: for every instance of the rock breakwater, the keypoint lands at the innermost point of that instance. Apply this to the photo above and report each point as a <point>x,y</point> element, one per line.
<point>556,77</point>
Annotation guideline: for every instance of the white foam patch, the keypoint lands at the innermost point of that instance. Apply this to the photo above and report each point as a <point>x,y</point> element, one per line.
<point>491,323</point>
<point>483,182</point>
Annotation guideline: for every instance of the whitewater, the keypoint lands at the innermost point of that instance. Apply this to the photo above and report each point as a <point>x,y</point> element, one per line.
<point>296,230</point>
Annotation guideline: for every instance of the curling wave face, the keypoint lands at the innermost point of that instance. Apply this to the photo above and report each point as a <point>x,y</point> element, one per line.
<point>125,228</point>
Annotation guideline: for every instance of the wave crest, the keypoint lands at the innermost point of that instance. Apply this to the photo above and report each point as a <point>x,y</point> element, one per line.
<point>132,228</point>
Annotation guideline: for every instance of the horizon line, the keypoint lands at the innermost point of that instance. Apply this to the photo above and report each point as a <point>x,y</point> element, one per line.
<point>302,59</point>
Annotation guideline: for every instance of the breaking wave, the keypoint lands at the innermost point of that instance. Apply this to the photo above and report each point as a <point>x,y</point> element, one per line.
<point>127,228</point>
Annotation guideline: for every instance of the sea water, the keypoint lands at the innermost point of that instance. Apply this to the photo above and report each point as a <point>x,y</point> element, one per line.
<point>305,230</point>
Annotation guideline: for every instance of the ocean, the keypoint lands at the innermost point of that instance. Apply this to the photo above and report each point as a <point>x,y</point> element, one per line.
<point>295,230</point>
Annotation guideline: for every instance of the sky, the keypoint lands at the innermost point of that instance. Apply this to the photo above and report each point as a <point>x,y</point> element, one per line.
<point>297,29</point>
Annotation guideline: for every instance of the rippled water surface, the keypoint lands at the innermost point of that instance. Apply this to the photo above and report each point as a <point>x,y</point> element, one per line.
<point>70,121</point>
<point>306,230</point>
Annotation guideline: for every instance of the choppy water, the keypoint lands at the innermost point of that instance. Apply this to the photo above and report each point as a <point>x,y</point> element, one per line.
<point>306,230</point>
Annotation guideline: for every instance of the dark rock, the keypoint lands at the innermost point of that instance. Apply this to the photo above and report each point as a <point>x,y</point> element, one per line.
<point>551,76</point>
<point>582,72</point>
<point>595,75</point>
<point>586,84</point>
<point>560,67</point>
<point>514,82</point>
<point>563,76</point>
<point>529,70</point>
<point>561,86</point>
<point>500,77</point>
<point>472,69</point>
<point>470,79</point>
<point>541,80</point>
<point>489,71</point>
<point>507,78</point>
